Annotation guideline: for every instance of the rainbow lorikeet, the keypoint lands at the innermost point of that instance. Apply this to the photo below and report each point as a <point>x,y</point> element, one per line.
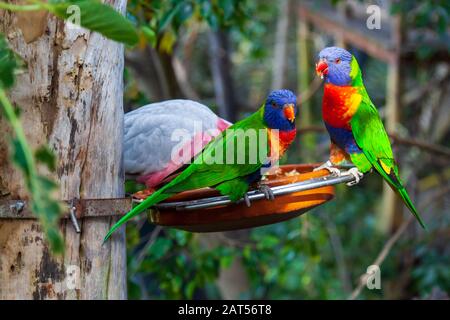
<point>234,159</point>
<point>353,123</point>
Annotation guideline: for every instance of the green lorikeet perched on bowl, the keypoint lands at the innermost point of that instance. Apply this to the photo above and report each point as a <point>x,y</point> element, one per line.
<point>353,123</point>
<point>234,159</point>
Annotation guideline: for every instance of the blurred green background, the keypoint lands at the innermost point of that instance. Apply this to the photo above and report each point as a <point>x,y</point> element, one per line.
<point>229,54</point>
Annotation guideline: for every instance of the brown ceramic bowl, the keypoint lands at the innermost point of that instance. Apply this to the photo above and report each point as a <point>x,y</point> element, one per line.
<point>239,216</point>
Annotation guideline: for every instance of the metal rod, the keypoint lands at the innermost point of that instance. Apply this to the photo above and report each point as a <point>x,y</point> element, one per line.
<point>73,217</point>
<point>257,195</point>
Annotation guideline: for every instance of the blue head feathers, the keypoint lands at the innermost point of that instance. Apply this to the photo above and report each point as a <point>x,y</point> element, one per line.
<point>335,66</point>
<point>280,110</point>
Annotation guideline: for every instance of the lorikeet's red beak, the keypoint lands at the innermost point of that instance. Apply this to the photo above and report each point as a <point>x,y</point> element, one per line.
<point>289,112</point>
<point>321,68</point>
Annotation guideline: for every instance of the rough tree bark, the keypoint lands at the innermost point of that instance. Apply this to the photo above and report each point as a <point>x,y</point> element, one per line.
<point>221,72</point>
<point>70,96</point>
<point>391,214</point>
<point>280,47</point>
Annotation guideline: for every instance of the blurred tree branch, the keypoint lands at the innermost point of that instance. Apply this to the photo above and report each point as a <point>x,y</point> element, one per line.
<point>280,46</point>
<point>393,240</point>
<point>426,146</point>
<point>222,77</point>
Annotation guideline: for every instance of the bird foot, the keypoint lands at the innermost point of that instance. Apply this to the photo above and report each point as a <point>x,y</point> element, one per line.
<point>268,193</point>
<point>143,194</point>
<point>355,173</point>
<point>329,166</point>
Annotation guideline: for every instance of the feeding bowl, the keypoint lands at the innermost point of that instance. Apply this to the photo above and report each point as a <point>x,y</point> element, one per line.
<point>297,189</point>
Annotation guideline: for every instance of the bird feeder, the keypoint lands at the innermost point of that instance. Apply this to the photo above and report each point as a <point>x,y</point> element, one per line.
<point>297,189</point>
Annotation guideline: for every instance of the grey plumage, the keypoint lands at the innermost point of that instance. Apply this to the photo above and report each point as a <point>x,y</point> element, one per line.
<point>151,132</point>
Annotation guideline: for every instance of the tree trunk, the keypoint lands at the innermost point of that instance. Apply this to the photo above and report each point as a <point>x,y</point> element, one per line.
<point>155,74</point>
<point>70,96</point>
<point>233,281</point>
<point>221,72</point>
<point>280,48</point>
<point>391,213</point>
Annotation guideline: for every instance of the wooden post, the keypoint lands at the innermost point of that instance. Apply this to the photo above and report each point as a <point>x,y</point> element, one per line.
<point>222,77</point>
<point>70,96</point>
<point>305,65</point>
<point>392,207</point>
<point>279,77</point>
<point>341,8</point>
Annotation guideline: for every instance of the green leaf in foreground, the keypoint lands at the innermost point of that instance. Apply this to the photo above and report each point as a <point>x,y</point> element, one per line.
<point>96,16</point>
<point>40,188</point>
<point>150,35</point>
<point>8,64</point>
<point>45,155</point>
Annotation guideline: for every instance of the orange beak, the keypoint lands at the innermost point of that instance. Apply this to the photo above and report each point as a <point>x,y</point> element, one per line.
<point>321,68</point>
<point>289,112</point>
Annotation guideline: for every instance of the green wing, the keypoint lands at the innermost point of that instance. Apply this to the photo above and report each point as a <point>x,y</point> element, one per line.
<point>371,137</point>
<point>206,172</point>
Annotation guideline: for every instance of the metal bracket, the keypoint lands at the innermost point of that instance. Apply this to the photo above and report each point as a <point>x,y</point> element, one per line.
<point>81,208</point>
<point>73,217</point>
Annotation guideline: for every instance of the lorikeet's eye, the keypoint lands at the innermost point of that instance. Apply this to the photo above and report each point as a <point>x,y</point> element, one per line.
<point>274,105</point>
<point>337,60</point>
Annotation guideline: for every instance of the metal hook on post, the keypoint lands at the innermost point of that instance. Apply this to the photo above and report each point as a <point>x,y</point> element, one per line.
<point>73,217</point>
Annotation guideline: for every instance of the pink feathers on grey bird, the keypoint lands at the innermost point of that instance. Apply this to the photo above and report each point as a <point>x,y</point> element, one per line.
<point>160,137</point>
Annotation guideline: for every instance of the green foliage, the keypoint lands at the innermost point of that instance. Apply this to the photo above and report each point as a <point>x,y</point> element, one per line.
<point>150,35</point>
<point>426,17</point>
<point>297,258</point>
<point>41,189</point>
<point>8,65</point>
<point>166,18</point>
<point>192,267</point>
<point>98,17</point>
<point>46,156</point>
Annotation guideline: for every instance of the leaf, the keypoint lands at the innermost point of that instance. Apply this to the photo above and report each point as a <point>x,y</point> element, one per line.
<point>8,64</point>
<point>226,260</point>
<point>46,156</point>
<point>269,241</point>
<point>160,248</point>
<point>19,157</point>
<point>46,183</point>
<point>167,18</point>
<point>186,11</point>
<point>55,240</point>
<point>227,7</point>
<point>42,203</point>
<point>150,35</point>
<point>190,289</point>
<point>167,41</point>
<point>96,16</point>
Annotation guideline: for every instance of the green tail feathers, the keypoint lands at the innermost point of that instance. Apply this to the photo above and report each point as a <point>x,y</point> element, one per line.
<point>404,195</point>
<point>155,198</point>
<point>397,185</point>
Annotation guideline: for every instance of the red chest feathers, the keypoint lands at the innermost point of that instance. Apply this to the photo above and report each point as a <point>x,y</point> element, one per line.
<point>287,137</point>
<point>339,105</point>
<point>279,141</point>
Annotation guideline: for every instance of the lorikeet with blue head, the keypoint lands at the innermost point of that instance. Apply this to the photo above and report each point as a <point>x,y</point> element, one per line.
<point>233,160</point>
<point>356,131</point>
